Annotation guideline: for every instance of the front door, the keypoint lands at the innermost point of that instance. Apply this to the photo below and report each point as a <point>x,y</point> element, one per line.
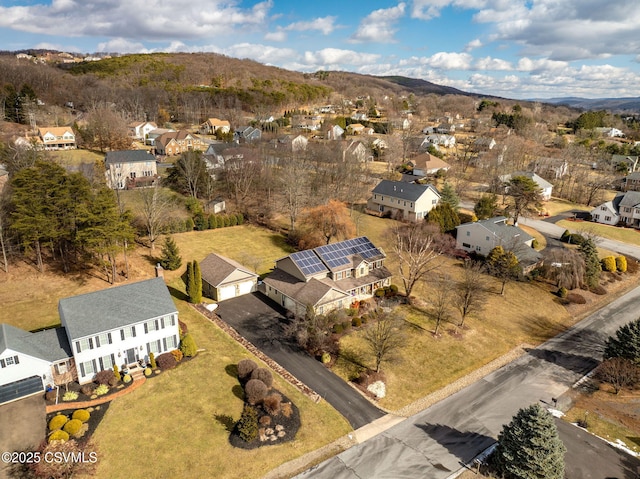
<point>131,356</point>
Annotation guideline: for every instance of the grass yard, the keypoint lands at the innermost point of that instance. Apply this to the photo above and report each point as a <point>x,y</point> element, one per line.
<point>627,235</point>
<point>555,206</point>
<point>75,157</point>
<point>169,427</point>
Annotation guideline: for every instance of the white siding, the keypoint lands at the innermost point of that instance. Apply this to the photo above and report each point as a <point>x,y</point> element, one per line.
<point>26,366</point>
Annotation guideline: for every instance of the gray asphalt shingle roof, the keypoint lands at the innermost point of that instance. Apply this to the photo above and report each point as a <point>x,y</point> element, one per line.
<point>114,308</point>
<point>405,191</point>
<point>49,345</point>
<point>216,269</point>
<point>128,156</point>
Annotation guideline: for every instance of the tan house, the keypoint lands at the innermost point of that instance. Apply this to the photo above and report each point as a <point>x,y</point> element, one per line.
<point>407,201</point>
<point>140,129</point>
<point>129,169</point>
<point>176,142</point>
<point>328,277</point>
<point>427,164</point>
<point>57,138</point>
<point>223,278</point>
<point>212,125</point>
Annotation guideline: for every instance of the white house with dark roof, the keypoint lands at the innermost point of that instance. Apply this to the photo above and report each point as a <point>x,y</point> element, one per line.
<point>125,169</point>
<point>482,236</point>
<point>119,326</point>
<point>224,278</point>
<point>624,209</point>
<point>546,188</point>
<point>410,201</point>
<point>115,326</point>
<point>328,277</point>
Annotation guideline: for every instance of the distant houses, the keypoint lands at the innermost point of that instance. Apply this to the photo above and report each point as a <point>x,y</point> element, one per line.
<point>407,201</point>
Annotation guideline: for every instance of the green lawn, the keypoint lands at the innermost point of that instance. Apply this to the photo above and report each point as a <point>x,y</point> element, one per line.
<point>626,235</point>
<point>75,157</point>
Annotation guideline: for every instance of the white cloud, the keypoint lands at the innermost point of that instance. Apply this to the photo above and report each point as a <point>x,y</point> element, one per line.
<point>122,45</point>
<point>379,25</point>
<point>335,56</point>
<point>449,61</point>
<point>472,45</point>
<point>277,36</point>
<point>492,64</point>
<point>135,19</point>
<point>324,25</point>
<point>542,64</point>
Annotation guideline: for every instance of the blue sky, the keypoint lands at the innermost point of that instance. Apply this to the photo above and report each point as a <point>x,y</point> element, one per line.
<point>512,48</point>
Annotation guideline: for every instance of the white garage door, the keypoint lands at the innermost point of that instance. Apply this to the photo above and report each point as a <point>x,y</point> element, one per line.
<point>234,290</point>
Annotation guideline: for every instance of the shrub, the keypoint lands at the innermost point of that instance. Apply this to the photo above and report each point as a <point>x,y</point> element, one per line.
<point>265,420</point>
<point>87,389</point>
<point>337,328</point>
<point>127,378</point>
<point>264,375</point>
<point>346,325</point>
<point>116,373</point>
<point>632,266</point>
<point>147,372</point>
<point>393,288</point>
<point>608,264</point>
<point>245,368</point>
<point>166,361</point>
<point>113,382</point>
<point>356,322</point>
<point>576,298</point>
<point>621,264</point>
<point>233,220</point>
<point>248,424</point>
<point>177,354</point>
<point>287,409</point>
<point>57,422</point>
<point>562,292</point>
<point>325,358</point>
<point>352,311</point>
<point>240,218</point>
<point>81,415</point>
<point>72,427</point>
<point>188,346</point>
<point>152,360</point>
<point>102,390</point>
<point>51,395</point>
<point>598,290</point>
<point>70,396</point>
<point>103,377</point>
<point>255,391</point>
<point>188,224</point>
<point>379,293</point>
<point>59,435</point>
<point>535,243</point>
<point>565,236</point>
<point>272,403</point>
<point>467,218</point>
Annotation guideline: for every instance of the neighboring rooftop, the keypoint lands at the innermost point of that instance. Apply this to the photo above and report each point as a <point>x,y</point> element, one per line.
<point>128,156</point>
<point>49,345</point>
<point>400,189</point>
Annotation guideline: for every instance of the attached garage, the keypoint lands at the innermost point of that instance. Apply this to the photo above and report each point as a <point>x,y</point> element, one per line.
<point>22,388</point>
<point>223,278</point>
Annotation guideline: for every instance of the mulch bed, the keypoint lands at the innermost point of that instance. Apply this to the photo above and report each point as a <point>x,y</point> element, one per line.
<point>97,413</point>
<point>268,434</point>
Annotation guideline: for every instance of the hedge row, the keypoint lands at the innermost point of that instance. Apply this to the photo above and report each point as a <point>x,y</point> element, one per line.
<point>203,222</point>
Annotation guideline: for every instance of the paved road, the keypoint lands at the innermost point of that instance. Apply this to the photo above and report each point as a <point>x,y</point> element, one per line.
<point>261,321</point>
<point>435,442</point>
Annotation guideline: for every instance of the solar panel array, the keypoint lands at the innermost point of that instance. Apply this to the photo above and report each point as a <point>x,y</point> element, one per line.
<point>337,254</point>
<point>308,262</point>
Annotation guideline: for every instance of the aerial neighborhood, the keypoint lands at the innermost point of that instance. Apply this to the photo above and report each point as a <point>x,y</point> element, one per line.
<point>199,250</point>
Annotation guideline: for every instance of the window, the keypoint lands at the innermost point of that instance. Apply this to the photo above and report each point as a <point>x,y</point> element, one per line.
<point>478,248</point>
<point>607,218</point>
<point>106,362</point>
<point>347,273</point>
<point>10,361</point>
<point>434,202</point>
<point>84,344</point>
<point>88,368</point>
<point>128,333</point>
<point>151,326</point>
<point>597,217</point>
<point>103,339</point>
<point>468,233</point>
<point>172,342</point>
<point>603,208</point>
<point>466,245</point>
<point>487,238</point>
<point>153,347</point>
<point>61,368</point>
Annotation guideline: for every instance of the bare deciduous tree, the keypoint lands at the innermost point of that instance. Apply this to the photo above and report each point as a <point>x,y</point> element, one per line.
<point>384,337</point>
<point>441,301</point>
<point>154,203</point>
<point>619,372</point>
<point>564,266</point>
<point>470,293</point>
<point>417,247</point>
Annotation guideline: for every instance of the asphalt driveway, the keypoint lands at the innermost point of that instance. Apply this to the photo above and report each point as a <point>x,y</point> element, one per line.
<point>261,321</point>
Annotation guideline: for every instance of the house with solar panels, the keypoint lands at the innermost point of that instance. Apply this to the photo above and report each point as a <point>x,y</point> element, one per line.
<point>328,277</point>
<point>405,201</point>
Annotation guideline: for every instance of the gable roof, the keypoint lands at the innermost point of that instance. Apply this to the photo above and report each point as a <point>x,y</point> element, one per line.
<point>310,292</point>
<point>55,130</point>
<point>405,191</point>
<point>630,198</point>
<point>114,308</point>
<point>128,156</point>
<point>428,161</point>
<point>541,182</point>
<point>49,345</point>
<point>498,226</point>
<point>216,269</point>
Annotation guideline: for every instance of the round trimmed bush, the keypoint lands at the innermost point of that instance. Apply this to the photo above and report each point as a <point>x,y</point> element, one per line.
<point>393,288</point>
<point>245,368</point>
<point>621,264</point>
<point>562,292</point>
<point>264,375</point>
<point>127,378</point>
<point>338,328</point>
<point>609,264</point>
<point>356,322</point>
<point>72,427</point>
<point>576,298</point>
<point>177,354</point>
<point>81,415</point>
<point>166,361</point>
<point>101,390</point>
<point>598,290</point>
<point>59,435</point>
<point>326,358</point>
<point>255,391</point>
<point>57,422</point>
<point>147,372</point>
<point>51,395</point>
<point>272,403</point>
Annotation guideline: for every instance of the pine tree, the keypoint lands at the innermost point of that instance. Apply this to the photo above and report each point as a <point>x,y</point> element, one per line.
<point>529,447</point>
<point>444,216</point>
<point>448,195</point>
<point>486,206</point>
<point>625,344</point>
<point>170,258</point>
<point>592,268</point>
<point>190,281</point>
<point>197,283</point>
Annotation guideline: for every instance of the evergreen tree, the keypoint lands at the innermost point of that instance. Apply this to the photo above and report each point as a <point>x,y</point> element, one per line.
<point>189,281</point>
<point>170,258</point>
<point>592,268</point>
<point>448,195</point>
<point>625,344</point>
<point>197,283</point>
<point>188,346</point>
<point>444,216</point>
<point>486,207</point>
<point>503,265</point>
<point>529,447</point>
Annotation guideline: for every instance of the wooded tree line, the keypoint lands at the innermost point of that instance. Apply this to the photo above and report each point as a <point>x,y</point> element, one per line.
<point>64,215</point>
